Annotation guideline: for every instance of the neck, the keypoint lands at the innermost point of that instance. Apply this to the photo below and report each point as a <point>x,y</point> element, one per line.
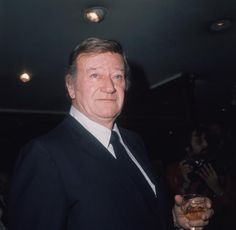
<point>105,123</point>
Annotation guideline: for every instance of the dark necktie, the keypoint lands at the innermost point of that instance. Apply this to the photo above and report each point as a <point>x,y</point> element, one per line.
<point>127,164</point>
<point>132,171</point>
<point>120,151</point>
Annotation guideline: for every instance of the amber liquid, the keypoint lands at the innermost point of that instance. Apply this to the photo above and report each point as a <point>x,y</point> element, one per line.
<point>195,213</point>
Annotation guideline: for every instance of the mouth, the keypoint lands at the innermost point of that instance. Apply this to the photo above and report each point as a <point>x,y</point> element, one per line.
<point>106,99</point>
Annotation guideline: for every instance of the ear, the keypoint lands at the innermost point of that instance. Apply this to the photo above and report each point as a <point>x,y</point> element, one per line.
<point>70,85</point>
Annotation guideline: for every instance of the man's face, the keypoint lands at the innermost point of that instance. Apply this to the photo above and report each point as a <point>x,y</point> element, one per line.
<point>98,87</point>
<point>199,143</point>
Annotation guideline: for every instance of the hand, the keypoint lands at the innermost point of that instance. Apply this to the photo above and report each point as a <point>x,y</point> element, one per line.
<point>209,175</point>
<point>185,169</point>
<point>181,221</point>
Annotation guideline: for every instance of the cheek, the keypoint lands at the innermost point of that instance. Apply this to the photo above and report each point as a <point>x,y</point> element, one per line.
<point>121,96</point>
<point>121,91</point>
<point>86,93</point>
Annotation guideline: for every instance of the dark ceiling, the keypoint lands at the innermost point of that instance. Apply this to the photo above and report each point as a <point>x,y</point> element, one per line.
<point>163,38</point>
<point>165,41</point>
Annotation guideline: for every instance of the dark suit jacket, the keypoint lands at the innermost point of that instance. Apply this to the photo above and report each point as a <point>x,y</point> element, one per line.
<point>67,180</point>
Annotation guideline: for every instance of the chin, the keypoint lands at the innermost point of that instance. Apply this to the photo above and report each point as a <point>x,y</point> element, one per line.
<point>108,114</point>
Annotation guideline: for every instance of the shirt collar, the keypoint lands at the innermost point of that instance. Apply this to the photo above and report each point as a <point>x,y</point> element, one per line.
<point>102,133</point>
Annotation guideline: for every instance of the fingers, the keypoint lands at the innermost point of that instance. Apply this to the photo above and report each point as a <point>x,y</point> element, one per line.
<point>208,214</point>
<point>181,219</point>
<point>210,167</point>
<point>198,224</point>
<point>185,167</point>
<point>178,200</point>
<point>209,204</point>
<point>207,171</point>
<point>195,224</point>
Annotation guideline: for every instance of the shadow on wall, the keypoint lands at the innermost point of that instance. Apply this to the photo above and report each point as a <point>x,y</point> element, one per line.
<point>138,93</point>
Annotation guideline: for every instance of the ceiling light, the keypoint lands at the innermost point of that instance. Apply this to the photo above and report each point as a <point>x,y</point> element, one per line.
<point>95,14</point>
<point>220,25</point>
<point>25,77</point>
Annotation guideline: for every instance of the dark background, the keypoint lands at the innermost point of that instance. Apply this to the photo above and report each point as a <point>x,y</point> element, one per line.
<point>183,72</point>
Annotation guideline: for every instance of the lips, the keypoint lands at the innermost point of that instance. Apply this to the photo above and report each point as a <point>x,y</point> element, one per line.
<point>107,99</point>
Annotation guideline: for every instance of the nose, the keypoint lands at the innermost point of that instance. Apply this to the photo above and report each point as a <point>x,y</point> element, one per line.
<point>108,85</point>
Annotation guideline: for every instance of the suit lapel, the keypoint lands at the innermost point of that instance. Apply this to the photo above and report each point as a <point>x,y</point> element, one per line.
<point>138,153</point>
<point>87,142</point>
<point>95,149</point>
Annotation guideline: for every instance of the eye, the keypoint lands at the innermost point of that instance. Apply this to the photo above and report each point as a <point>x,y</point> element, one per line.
<point>94,75</point>
<point>118,76</point>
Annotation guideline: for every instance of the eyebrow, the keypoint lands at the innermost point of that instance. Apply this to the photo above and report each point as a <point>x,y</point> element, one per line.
<point>97,68</point>
<point>93,68</point>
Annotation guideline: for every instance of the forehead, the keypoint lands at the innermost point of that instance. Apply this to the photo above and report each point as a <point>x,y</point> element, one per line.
<point>89,61</point>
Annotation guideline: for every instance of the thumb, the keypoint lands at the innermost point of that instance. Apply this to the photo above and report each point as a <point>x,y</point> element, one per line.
<point>178,200</point>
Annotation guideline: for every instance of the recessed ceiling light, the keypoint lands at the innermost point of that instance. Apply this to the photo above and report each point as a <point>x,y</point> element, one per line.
<point>95,14</point>
<point>220,25</point>
<point>25,77</point>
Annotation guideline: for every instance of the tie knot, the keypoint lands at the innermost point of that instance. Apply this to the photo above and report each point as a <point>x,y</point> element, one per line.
<point>114,137</point>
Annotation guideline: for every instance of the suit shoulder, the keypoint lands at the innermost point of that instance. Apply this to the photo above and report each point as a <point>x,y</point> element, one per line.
<point>62,130</point>
<point>50,138</point>
<point>130,134</point>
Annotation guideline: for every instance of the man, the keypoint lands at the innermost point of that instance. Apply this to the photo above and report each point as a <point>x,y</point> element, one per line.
<point>75,177</point>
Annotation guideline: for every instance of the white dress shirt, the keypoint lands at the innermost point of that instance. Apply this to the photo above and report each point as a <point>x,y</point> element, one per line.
<point>103,135</point>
